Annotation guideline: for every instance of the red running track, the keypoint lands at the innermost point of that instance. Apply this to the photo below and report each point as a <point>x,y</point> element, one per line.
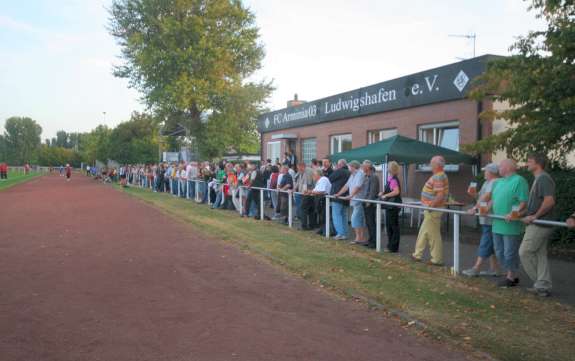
<point>89,273</point>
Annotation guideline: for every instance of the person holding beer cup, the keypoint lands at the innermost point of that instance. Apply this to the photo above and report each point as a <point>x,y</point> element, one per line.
<point>509,198</point>
<point>483,205</point>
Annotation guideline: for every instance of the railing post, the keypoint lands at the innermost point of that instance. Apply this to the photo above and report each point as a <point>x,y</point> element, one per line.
<point>455,243</point>
<point>378,227</point>
<point>197,190</point>
<point>261,204</point>
<point>327,216</point>
<point>179,187</point>
<point>209,194</point>
<point>290,218</point>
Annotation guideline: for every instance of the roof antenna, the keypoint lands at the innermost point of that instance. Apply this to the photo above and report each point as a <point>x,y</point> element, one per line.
<point>472,36</point>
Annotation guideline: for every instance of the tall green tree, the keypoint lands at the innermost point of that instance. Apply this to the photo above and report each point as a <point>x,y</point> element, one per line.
<point>62,139</point>
<point>538,83</point>
<point>135,141</point>
<point>191,60</point>
<point>96,145</point>
<point>21,140</point>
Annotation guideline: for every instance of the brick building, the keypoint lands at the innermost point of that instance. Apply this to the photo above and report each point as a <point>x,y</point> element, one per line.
<point>430,106</point>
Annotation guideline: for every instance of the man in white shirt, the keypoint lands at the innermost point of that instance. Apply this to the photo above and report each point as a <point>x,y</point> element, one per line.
<point>321,188</point>
<point>322,184</point>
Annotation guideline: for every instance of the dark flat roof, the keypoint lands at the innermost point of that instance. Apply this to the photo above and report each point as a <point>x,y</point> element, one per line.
<point>448,82</point>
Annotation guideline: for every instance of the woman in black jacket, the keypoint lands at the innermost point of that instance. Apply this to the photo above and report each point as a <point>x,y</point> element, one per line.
<point>392,193</point>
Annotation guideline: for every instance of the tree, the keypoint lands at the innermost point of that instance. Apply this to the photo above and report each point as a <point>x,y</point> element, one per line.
<point>21,140</point>
<point>96,145</point>
<point>135,141</point>
<point>62,139</point>
<point>56,156</point>
<point>190,59</point>
<point>539,85</point>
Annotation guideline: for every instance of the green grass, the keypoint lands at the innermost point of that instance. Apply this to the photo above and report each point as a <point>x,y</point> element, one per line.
<point>507,324</point>
<point>17,178</point>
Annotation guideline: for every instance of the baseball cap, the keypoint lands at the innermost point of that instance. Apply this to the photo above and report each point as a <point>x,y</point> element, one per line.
<point>491,168</point>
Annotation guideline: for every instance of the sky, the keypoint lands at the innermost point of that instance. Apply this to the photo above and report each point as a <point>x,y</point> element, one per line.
<point>56,56</point>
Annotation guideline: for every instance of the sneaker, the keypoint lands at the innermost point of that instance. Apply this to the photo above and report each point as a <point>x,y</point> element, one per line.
<point>437,264</point>
<point>339,237</point>
<point>507,283</point>
<point>489,273</point>
<point>415,259</point>
<point>543,293</point>
<point>472,272</point>
<point>539,292</point>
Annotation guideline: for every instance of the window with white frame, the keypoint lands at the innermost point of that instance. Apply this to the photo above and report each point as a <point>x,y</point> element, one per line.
<point>340,143</point>
<point>308,149</point>
<point>444,135</point>
<point>374,136</point>
<point>274,151</point>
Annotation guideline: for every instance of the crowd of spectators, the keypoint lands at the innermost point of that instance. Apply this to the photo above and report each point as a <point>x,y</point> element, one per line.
<point>505,242</point>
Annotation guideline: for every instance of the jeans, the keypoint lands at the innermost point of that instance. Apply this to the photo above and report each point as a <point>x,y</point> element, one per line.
<point>485,249</point>
<point>174,187</point>
<point>298,200</point>
<point>191,189</point>
<point>253,210</point>
<point>274,197</point>
<point>219,199</point>
<point>204,191</point>
<point>339,217</point>
<point>253,199</point>
<point>183,184</point>
<point>507,251</point>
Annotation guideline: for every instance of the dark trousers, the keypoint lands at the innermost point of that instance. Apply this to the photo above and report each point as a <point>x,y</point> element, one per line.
<point>320,209</point>
<point>392,228</point>
<point>3,175</point>
<point>370,213</point>
<point>253,196</point>
<point>308,213</point>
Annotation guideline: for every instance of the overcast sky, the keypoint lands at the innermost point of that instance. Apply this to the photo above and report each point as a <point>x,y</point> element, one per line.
<point>56,55</point>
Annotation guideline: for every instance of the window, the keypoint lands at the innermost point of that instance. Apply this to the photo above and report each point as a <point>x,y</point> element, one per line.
<point>274,151</point>
<point>445,135</point>
<point>308,150</point>
<point>374,136</point>
<point>340,143</point>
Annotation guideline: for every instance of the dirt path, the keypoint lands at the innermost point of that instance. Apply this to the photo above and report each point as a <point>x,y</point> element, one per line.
<point>88,273</point>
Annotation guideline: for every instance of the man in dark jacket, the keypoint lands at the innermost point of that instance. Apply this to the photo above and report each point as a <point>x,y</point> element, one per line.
<point>370,209</point>
<point>338,178</point>
<point>326,167</point>
<point>257,181</point>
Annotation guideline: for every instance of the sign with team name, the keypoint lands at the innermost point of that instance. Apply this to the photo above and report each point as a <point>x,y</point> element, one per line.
<point>450,82</point>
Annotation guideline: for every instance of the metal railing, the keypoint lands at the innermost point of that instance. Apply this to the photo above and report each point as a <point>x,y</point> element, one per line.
<point>379,203</point>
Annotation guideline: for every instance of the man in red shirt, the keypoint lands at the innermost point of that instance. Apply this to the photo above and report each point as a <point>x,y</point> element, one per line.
<point>68,172</point>
<point>3,171</point>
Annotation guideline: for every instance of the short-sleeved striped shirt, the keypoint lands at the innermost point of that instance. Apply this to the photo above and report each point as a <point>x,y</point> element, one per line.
<point>437,183</point>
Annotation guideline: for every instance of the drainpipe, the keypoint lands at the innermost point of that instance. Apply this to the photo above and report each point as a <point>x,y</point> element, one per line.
<point>479,128</point>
